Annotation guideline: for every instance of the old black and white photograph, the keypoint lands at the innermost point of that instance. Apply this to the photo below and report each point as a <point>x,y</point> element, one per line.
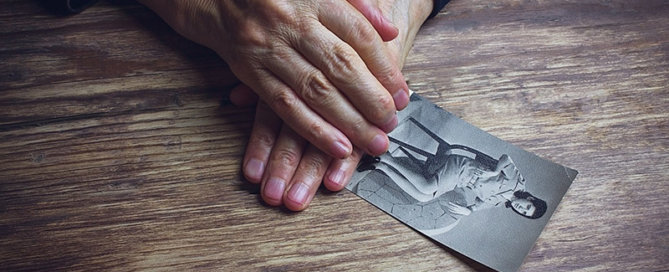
<point>463,187</point>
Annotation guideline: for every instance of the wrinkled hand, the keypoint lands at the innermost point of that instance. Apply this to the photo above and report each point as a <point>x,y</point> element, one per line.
<point>320,65</point>
<point>293,169</point>
<point>289,169</point>
<point>457,209</point>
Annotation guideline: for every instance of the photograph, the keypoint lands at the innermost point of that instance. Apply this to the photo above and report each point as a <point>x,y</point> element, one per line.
<point>461,186</point>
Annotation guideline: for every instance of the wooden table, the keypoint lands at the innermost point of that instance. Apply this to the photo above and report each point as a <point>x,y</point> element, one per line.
<point>118,151</point>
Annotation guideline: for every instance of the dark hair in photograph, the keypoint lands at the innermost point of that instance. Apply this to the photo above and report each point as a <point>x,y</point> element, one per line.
<point>540,206</point>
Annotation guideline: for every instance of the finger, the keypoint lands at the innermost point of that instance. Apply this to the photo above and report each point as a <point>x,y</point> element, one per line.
<point>342,66</point>
<point>324,98</point>
<point>340,171</point>
<point>306,180</point>
<point>284,159</point>
<point>242,96</point>
<point>357,32</point>
<point>263,135</point>
<point>294,112</point>
<point>383,26</point>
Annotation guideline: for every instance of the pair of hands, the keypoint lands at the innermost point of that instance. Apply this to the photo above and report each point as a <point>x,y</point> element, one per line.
<point>321,66</point>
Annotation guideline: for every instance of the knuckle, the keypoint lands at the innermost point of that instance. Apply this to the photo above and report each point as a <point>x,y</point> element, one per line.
<point>385,106</point>
<point>313,166</point>
<point>341,60</point>
<point>388,75</point>
<point>283,102</point>
<point>385,101</point>
<point>358,128</point>
<point>287,157</point>
<point>364,33</point>
<point>317,89</point>
<point>281,54</point>
<point>319,162</point>
<point>263,139</point>
<point>317,130</point>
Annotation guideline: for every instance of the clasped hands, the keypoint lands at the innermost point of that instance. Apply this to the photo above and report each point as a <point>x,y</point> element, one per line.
<point>329,85</point>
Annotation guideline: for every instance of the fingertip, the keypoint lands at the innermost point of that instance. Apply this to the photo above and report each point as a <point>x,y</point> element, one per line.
<point>335,179</point>
<point>340,171</point>
<point>378,145</point>
<point>401,99</point>
<point>395,84</point>
<point>253,170</point>
<point>298,197</point>
<point>273,191</point>
<point>340,149</point>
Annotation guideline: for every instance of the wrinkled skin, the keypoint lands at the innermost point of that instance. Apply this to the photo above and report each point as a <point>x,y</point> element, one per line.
<point>288,168</point>
<point>320,65</point>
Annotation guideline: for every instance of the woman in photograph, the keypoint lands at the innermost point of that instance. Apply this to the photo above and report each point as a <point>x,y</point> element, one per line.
<point>451,183</point>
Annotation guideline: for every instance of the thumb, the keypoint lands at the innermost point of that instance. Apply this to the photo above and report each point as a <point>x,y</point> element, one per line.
<point>383,26</point>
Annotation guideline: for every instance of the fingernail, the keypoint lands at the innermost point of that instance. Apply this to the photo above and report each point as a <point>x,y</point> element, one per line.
<point>340,150</point>
<point>401,99</point>
<point>388,127</point>
<point>298,193</point>
<point>274,189</point>
<point>378,145</point>
<point>337,177</point>
<point>254,169</point>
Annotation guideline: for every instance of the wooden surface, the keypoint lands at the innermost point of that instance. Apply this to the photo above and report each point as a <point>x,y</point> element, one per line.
<point>117,153</point>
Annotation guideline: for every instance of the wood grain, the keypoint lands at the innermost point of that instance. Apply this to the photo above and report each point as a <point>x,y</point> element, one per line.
<point>119,152</point>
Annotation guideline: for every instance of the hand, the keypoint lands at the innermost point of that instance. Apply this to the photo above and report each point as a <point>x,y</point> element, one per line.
<point>289,172</point>
<point>320,65</point>
<point>457,209</point>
